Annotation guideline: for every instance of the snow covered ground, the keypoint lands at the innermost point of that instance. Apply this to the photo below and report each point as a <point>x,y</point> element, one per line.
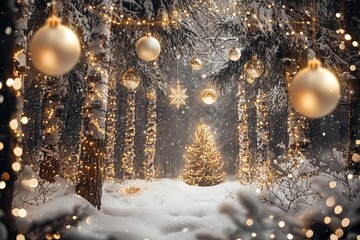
<point>165,209</point>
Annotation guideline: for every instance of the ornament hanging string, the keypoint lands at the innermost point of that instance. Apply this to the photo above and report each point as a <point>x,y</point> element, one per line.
<point>314,25</point>
<point>53,6</point>
<point>177,64</point>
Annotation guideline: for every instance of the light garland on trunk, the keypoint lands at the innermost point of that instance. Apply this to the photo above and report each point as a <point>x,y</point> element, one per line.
<point>151,135</point>
<point>265,175</point>
<point>111,131</point>
<point>128,156</point>
<point>244,157</point>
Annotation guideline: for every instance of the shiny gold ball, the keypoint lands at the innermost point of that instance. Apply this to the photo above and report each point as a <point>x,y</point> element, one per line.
<point>209,96</point>
<point>314,92</point>
<point>148,48</point>
<point>234,54</point>
<point>196,64</point>
<point>55,49</point>
<point>130,79</point>
<point>254,68</point>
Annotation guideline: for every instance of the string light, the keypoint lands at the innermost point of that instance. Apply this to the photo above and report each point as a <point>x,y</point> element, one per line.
<point>128,156</point>
<point>111,120</point>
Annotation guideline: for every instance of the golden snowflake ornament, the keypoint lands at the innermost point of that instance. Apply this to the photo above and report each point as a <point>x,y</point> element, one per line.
<point>178,96</point>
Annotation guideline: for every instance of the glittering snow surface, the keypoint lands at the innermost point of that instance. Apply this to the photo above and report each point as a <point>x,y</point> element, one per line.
<point>165,209</point>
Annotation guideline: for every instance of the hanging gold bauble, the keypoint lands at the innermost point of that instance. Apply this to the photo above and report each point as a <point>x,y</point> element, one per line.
<point>130,79</point>
<point>209,96</point>
<point>195,64</point>
<point>234,54</point>
<point>55,49</point>
<point>314,92</point>
<point>254,68</point>
<point>148,48</point>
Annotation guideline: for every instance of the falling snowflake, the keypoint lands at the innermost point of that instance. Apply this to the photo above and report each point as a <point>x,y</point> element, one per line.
<point>178,96</point>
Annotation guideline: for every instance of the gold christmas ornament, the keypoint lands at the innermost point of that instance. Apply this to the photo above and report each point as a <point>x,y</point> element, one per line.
<point>55,49</point>
<point>130,79</point>
<point>234,54</point>
<point>196,64</point>
<point>254,68</point>
<point>148,48</point>
<point>314,92</point>
<point>209,96</point>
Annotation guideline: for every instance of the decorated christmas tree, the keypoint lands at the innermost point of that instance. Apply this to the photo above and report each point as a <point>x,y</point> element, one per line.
<point>204,166</point>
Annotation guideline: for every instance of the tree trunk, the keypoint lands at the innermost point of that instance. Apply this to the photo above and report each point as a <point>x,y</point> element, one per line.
<point>20,64</point>
<point>7,108</point>
<point>244,156</point>
<point>298,143</point>
<point>52,126</point>
<point>262,136</point>
<point>128,157</point>
<point>91,162</point>
<point>151,136</point>
<point>111,120</point>
<point>351,11</point>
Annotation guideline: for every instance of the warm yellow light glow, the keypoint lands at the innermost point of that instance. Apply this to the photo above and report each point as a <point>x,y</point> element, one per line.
<point>16,166</point>
<point>345,222</point>
<point>14,124</point>
<point>281,224</point>
<point>18,151</point>
<point>327,220</point>
<point>309,233</point>
<point>22,213</point>
<point>330,201</point>
<point>338,209</point>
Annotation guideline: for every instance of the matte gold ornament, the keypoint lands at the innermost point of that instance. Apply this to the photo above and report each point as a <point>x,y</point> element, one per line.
<point>209,96</point>
<point>314,92</point>
<point>55,49</point>
<point>196,64</point>
<point>148,48</point>
<point>234,54</point>
<point>130,79</point>
<point>254,68</point>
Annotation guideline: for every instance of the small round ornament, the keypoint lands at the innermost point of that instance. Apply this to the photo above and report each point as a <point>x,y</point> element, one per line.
<point>234,54</point>
<point>209,96</point>
<point>148,48</point>
<point>254,68</point>
<point>130,79</point>
<point>195,64</point>
<point>55,49</point>
<point>314,92</point>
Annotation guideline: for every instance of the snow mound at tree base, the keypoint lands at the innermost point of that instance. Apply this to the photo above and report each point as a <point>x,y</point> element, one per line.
<point>165,209</point>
